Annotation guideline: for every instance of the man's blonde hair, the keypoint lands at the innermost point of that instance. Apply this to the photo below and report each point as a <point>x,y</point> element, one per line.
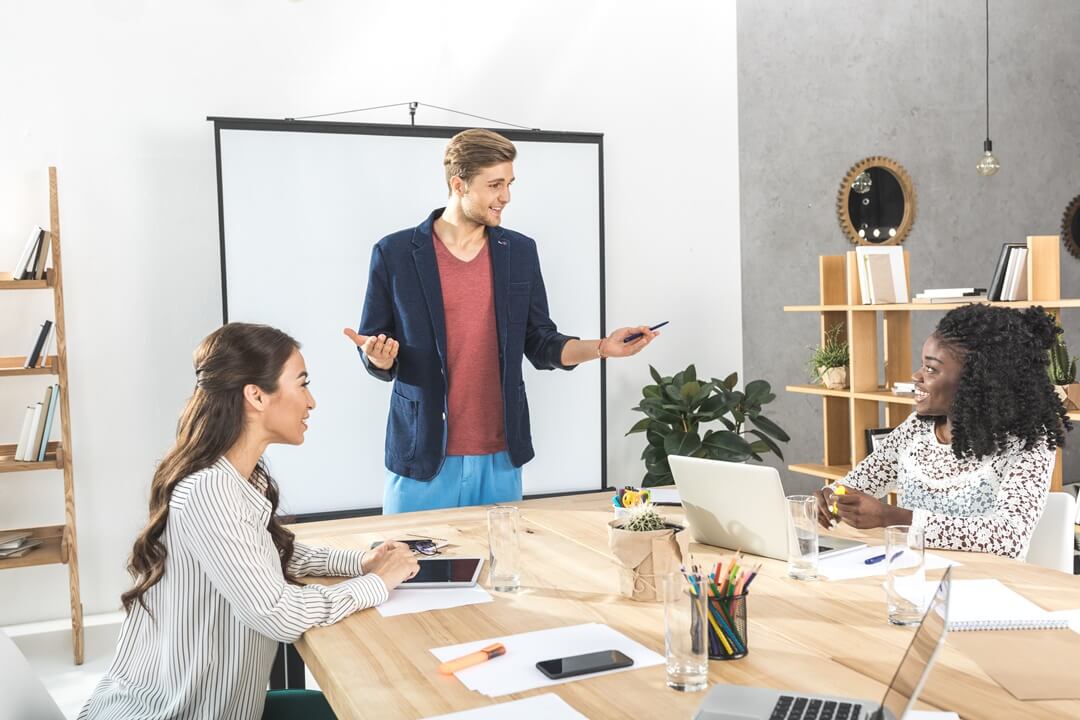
<point>470,151</point>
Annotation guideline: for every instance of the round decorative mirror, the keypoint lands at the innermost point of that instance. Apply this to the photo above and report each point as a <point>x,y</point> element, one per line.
<point>1070,227</point>
<point>876,202</point>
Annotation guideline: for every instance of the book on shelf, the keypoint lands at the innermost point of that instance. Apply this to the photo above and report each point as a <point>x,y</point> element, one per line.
<point>950,292</point>
<point>54,399</point>
<point>955,299</point>
<point>24,434</point>
<point>1015,276</point>
<point>21,549</point>
<point>998,281</point>
<point>45,351</point>
<point>42,257</point>
<point>39,425</point>
<point>27,253</point>
<point>11,539</point>
<point>903,388</point>
<point>34,355</point>
<point>882,275</point>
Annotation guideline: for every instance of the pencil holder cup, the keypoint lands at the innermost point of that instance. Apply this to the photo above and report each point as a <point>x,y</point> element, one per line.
<point>727,634</point>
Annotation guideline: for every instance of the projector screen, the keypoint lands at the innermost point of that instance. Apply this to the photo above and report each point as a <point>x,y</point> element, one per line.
<point>302,203</point>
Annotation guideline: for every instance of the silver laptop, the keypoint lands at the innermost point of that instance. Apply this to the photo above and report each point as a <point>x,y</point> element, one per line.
<point>733,702</point>
<point>740,507</point>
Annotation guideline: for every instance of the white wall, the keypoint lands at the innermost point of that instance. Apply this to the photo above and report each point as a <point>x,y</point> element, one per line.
<point>115,94</point>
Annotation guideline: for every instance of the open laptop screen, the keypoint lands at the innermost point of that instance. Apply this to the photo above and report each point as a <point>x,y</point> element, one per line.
<point>913,669</point>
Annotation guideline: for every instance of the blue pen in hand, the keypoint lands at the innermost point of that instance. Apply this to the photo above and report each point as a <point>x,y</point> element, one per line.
<point>878,558</point>
<point>631,338</point>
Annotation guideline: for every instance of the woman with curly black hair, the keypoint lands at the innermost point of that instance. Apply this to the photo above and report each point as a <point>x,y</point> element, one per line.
<point>971,466</point>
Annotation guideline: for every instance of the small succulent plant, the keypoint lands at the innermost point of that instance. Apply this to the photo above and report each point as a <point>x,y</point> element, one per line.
<point>644,518</point>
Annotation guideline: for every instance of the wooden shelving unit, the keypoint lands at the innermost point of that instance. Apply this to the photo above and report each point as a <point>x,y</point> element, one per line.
<point>847,414</point>
<point>59,546</point>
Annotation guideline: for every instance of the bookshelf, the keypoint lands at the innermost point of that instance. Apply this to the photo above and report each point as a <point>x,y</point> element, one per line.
<point>846,414</point>
<point>59,546</point>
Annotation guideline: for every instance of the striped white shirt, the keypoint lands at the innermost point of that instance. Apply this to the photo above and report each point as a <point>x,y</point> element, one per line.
<point>221,608</point>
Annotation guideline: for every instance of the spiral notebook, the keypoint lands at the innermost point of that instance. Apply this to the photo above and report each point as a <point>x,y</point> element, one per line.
<point>989,605</point>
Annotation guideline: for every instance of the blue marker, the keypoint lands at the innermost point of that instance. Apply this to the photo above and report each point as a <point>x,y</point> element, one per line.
<point>635,336</point>
<point>879,558</point>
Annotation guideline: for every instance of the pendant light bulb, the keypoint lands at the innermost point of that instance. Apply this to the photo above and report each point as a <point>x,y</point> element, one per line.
<point>988,164</point>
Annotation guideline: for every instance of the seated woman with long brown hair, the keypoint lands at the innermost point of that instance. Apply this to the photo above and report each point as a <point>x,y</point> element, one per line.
<point>215,570</point>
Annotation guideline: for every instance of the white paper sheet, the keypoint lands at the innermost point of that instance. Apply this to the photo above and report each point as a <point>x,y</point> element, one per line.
<point>930,715</point>
<point>404,602</point>
<point>851,565</point>
<point>516,670</point>
<point>548,706</point>
<point>665,495</point>
<point>987,604</point>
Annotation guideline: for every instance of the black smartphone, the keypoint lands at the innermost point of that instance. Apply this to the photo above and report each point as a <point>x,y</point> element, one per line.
<point>584,664</point>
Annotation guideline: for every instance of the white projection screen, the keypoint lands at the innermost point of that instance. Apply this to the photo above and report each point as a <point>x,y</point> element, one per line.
<point>302,203</point>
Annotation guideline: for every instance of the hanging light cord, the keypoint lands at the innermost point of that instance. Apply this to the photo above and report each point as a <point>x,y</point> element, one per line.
<point>434,107</point>
<point>987,69</point>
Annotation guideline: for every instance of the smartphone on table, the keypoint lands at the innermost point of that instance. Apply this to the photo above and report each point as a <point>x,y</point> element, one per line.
<point>584,664</point>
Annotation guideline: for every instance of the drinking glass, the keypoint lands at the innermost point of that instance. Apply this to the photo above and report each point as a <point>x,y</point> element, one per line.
<point>503,568</point>
<point>905,574</point>
<point>686,648</point>
<point>802,537</point>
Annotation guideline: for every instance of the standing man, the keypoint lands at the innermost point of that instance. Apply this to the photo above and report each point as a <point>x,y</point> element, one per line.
<point>452,305</point>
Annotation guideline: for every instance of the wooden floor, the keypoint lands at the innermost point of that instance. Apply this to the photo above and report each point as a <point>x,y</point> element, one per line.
<point>829,637</point>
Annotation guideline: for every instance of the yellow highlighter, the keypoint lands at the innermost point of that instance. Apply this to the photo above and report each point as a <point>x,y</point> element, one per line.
<point>838,490</point>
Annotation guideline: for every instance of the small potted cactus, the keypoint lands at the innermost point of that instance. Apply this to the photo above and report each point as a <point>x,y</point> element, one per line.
<point>1062,371</point>
<point>646,547</point>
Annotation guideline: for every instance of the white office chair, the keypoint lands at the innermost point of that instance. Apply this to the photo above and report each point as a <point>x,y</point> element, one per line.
<point>24,696</point>
<point>1052,542</point>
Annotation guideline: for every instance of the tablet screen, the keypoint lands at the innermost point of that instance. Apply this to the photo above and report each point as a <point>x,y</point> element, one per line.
<point>445,570</point>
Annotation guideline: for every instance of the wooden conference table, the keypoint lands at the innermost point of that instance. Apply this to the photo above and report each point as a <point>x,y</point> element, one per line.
<point>828,637</point>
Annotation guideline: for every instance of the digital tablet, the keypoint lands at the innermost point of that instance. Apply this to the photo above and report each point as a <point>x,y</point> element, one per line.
<point>440,572</point>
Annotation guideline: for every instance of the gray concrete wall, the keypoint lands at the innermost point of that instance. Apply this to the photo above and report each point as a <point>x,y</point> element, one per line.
<point>826,83</point>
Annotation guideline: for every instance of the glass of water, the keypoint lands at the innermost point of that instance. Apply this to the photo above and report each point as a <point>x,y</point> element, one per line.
<point>503,568</point>
<point>802,537</point>
<point>686,647</point>
<point>905,574</point>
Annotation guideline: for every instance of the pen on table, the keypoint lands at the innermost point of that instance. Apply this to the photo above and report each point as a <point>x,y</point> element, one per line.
<point>474,658</point>
<point>635,336</point>
<point>879,558</point>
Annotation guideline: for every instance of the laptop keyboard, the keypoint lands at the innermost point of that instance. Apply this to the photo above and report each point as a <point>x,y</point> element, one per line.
<point>789,707</point>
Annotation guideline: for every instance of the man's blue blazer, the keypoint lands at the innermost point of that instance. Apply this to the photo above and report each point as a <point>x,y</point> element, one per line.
<point>404,301</point>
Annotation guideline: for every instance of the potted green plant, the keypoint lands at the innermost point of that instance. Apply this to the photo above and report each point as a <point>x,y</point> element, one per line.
<point>828,362</point>
<point>677,406</point>
<point>1062,371</point>
<point>646,547</point>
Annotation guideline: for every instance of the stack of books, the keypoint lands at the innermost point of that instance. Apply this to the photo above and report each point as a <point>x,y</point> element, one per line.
<point>37,427</point>
<point>16,544</point>
<point>951,295</point>
<point>39,352</point>
<point>31,262</point>
<point>1010,274</point>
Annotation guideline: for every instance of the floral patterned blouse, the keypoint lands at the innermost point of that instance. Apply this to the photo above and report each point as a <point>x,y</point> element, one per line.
<point>990,505</point>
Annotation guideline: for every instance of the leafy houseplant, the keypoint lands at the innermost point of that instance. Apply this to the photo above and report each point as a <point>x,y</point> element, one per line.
<point>676,407</point>
<point>1062,371</point>
<point>829,361</point>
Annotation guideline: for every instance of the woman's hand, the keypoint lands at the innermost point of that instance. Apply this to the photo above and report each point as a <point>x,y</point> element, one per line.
<point>613,345</point>
<point>825,517</point>
<point>863,511</point>
<point>393,562</point>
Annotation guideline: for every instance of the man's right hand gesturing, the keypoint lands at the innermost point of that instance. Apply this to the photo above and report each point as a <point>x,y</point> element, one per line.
<point>380,350</point>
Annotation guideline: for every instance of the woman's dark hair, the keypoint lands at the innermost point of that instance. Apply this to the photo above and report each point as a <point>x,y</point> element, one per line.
<point>234,355</point>
<point>1004,388</point>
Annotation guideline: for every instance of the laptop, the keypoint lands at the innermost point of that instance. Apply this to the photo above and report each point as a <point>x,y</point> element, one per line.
<point>740,507</point>
<point>733,702</point>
